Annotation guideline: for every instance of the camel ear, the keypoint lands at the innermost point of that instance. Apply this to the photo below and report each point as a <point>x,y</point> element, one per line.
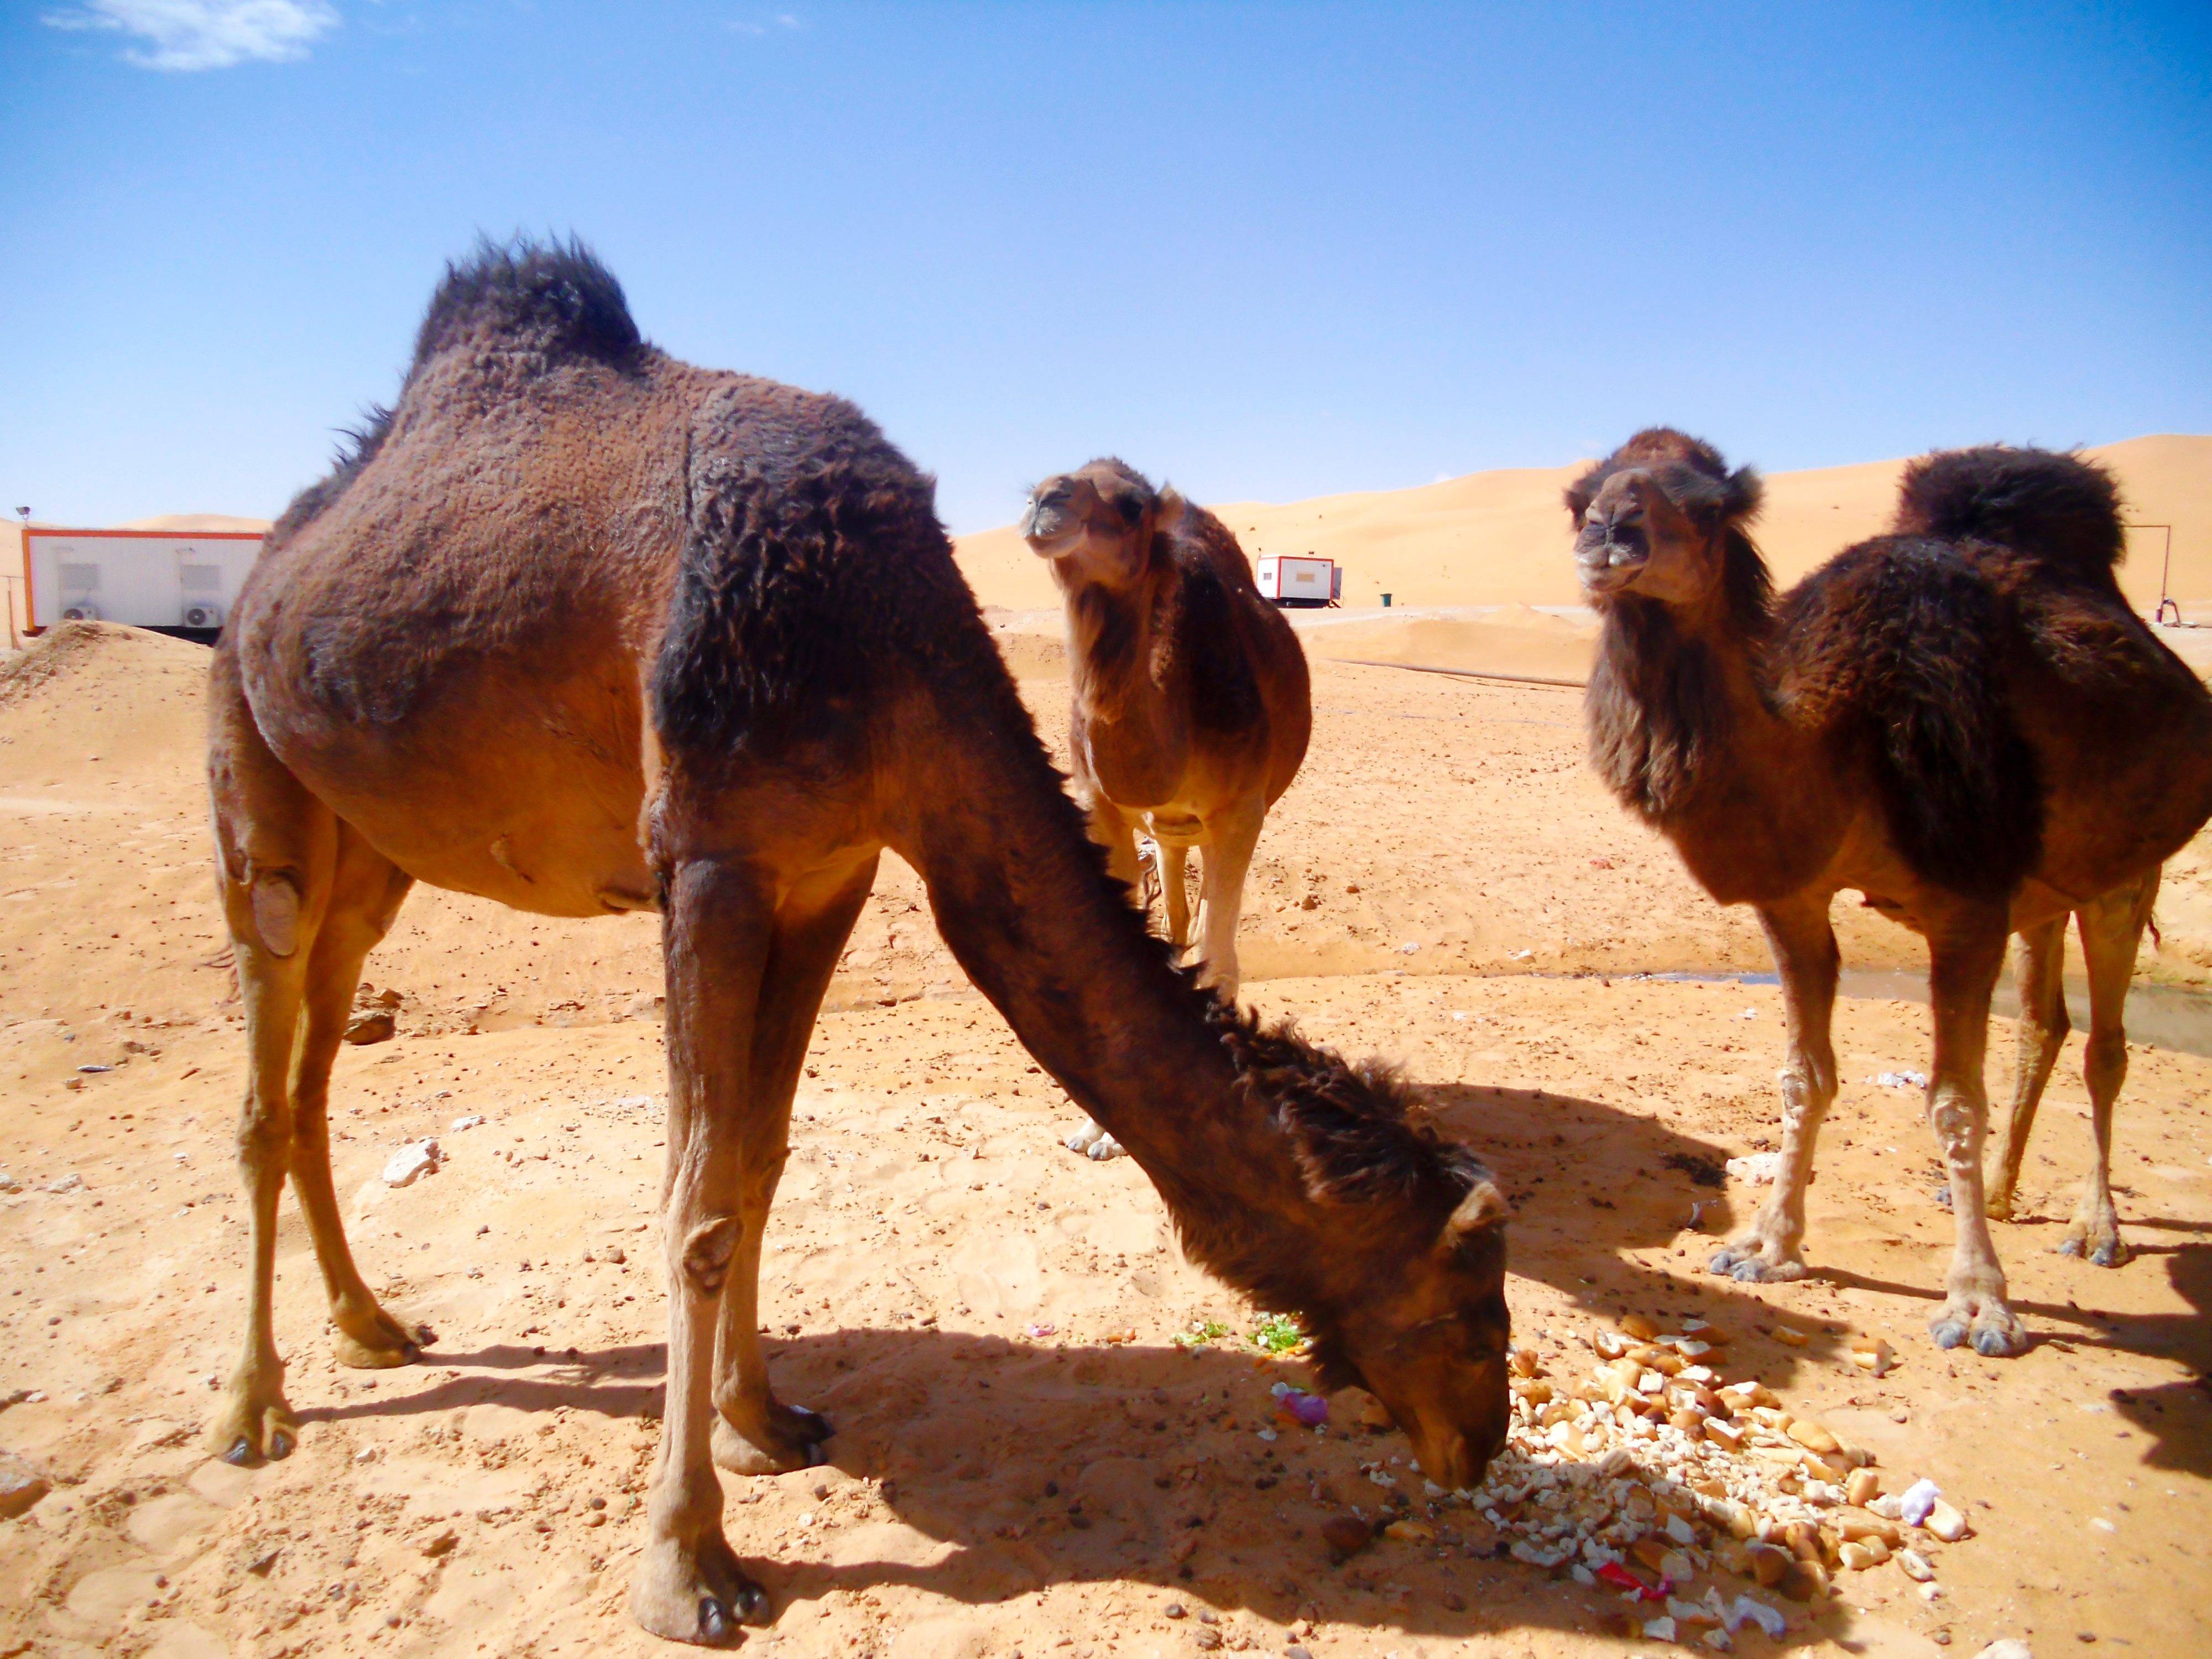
<point>1482,1210</point>
<point>1168,510</point>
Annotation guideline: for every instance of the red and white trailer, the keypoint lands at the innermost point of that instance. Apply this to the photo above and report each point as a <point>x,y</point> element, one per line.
<point>1294,580</point>
<point>174,581</point>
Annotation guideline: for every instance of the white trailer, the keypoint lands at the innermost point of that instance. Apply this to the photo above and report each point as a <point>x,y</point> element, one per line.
<point>174,581</point>
<point>1292,579</point>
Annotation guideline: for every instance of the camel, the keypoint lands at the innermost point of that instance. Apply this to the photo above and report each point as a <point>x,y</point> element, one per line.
<point>1962,718</point>
<point>584,630</point>
<point>1192,705</point>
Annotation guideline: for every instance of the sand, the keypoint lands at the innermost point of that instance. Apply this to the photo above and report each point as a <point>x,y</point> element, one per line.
<point>1500,538</point>
<point>988,1319</point>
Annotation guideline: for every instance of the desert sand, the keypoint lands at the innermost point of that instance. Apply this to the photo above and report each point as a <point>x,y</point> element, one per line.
<point>1498,538</point>
<point>1026,1461</point>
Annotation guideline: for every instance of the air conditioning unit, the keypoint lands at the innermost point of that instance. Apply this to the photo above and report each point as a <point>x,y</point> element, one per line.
<point>81,610</point>
<point>204,614</point>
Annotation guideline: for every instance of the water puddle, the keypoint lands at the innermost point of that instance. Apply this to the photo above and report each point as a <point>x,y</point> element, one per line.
<point>2157,1016</point>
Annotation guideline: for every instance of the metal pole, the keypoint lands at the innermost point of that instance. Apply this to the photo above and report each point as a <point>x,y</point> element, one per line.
<point>2165,571</point>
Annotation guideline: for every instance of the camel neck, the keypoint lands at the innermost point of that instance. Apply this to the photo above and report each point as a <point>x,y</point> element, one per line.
<point>1677,700</point>
<point>1020,894</point>
<point>1113,639</point>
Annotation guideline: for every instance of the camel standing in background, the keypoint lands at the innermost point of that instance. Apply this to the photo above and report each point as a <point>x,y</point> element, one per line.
<point>1964,720</point>
<point>1192,708</point>
<point>584,630</point>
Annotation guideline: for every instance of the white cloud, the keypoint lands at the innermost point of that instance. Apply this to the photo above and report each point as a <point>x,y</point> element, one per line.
<point>205,34</point>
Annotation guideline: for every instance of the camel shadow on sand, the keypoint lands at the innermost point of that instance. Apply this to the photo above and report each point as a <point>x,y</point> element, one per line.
<point>1009,1466</point>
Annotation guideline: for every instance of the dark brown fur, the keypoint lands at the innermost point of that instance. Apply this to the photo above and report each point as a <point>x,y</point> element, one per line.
<point>580,627</point>
<point>1962,718</point>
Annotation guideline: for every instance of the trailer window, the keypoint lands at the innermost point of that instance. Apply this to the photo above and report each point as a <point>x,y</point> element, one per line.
<point>202,578</point>
<point>80,579</point>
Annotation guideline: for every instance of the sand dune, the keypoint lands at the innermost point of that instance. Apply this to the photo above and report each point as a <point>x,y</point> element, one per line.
<point>1501,538</point>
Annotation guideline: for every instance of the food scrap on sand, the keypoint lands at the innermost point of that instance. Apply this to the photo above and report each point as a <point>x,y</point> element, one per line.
<point>1651,1470</point>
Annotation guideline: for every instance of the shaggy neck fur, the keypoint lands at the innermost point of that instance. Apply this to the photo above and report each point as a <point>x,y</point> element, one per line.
<point>1671,684</point>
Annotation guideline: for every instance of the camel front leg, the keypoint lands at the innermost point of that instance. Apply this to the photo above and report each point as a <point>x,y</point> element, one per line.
<point>2112,933</point>
<point>716,931</point>
<point>2039,972</point>
<point>755,1433</point>
<point>1231,840</point>
<point>1805,956</point>
<point>1965,956</point>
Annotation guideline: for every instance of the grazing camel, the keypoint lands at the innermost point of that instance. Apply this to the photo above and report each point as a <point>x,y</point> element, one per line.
<point>1192,704</point>
<point>1963,720</point>
<point>585,630</point>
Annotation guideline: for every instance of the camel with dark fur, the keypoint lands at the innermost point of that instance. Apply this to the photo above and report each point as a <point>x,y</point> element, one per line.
<point>1963,720</point>
<point>585,630</point>
<point>1192,706</point>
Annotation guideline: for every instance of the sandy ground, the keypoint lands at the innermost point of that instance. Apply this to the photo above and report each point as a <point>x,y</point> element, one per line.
<point>1025,1460</point>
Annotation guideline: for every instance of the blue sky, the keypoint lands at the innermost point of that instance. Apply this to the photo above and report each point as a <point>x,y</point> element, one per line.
<point>1267,251</point>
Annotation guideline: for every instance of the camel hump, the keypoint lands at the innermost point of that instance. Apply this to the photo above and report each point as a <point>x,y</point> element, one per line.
<point>550,300</point>
<point>2062,509</point>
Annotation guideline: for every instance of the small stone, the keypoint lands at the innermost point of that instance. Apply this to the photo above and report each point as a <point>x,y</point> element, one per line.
<point>1862,1487</point>
<point>442,1544</point>
<point>1205,1639</point>
<point>1173,1610</point>
<point>1346,1535</point>
<point>411,1162</point>
<point>68,1183</point>
<point>259,1565</point>
<point>1917,1503</point>
<point>1659,1630</point>
<point>469,1122</point>
<point>1915,1566</point>
<point>2008,1647</point>
<point>377,1027</point>
<point>1523,1361</point>
<point>614,1254</point>
<point>1638,1326</point>
<point>1791,1336</point>
<point>22,1486</point>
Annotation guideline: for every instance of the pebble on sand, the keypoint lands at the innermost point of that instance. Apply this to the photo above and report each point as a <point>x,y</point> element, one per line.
<point>413,1160</point>
<point>22,1486</point>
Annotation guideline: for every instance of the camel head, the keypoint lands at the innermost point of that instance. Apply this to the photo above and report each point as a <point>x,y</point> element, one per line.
<point>1394,1250</point>
<point>1096,524</point>
<point>1431,1344</point>
<point>1661,518</point>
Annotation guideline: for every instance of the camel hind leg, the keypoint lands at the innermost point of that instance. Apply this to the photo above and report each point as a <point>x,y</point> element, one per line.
<point>2111,933</point>
<point>2038,970</point>
<point>276,851</point>
<point>367,890</point>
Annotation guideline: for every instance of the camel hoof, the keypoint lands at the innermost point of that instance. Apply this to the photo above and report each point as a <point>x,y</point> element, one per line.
<point>1093,1142</point>
<point>2111,1254</point>
<point>2067,1247</point>
<point>1992,1343</point>
<point>1948,1333</point>
<point>792,1440</point>
<point>240,1453</point>
<point>699,1599</point>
